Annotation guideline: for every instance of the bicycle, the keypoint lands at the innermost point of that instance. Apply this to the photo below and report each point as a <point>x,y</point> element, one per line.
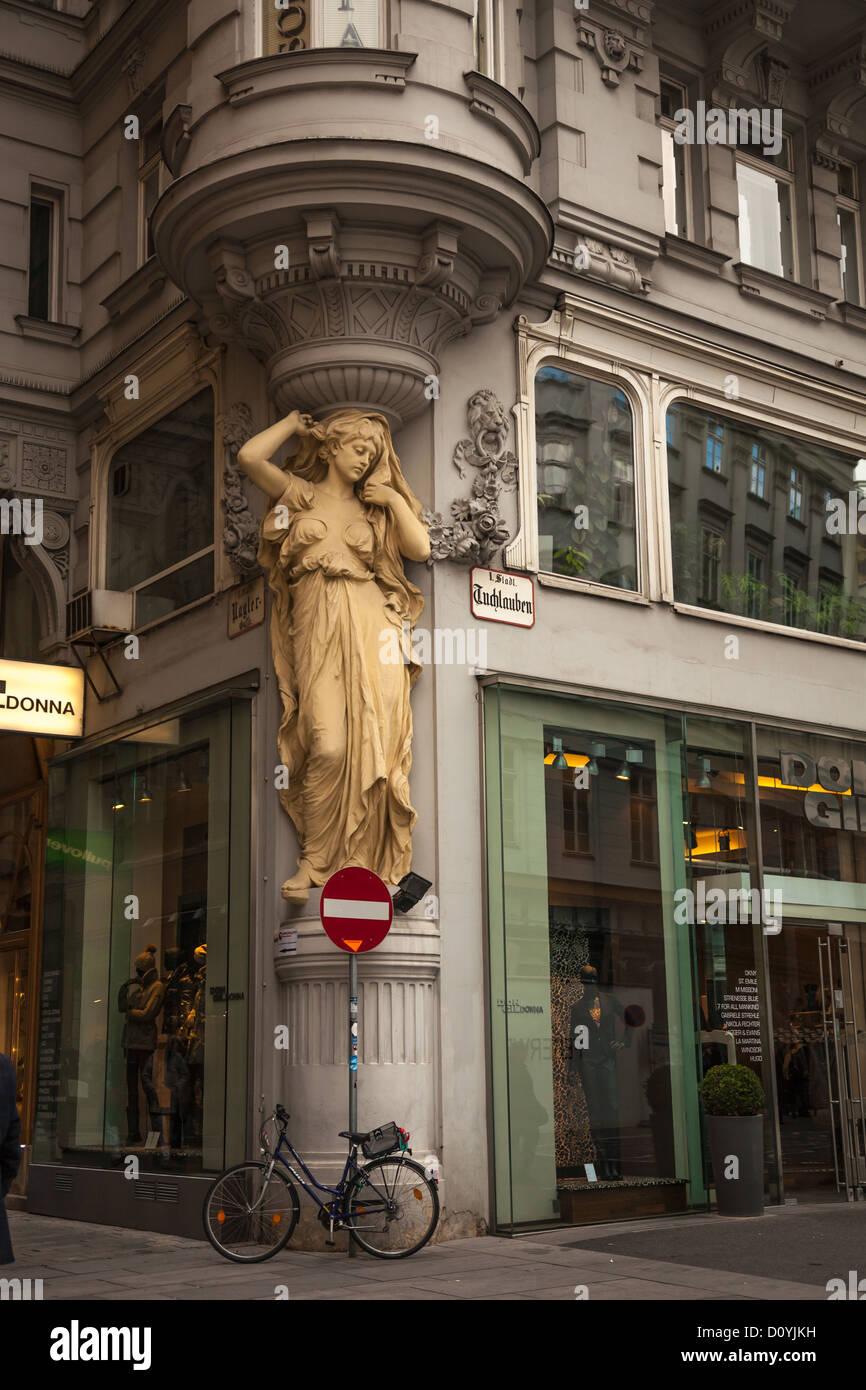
<point>251,1210</point>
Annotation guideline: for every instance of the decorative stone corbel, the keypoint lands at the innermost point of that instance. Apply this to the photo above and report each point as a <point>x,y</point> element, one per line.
<point>241,530</point>
<point>176,137</point>
<point>132,66</point>
<point>773,75</point>
<point>436,262</point>
<point>615,51</point>
<point>323,249</point>
<point>231,277</point>
<point>611,265</point>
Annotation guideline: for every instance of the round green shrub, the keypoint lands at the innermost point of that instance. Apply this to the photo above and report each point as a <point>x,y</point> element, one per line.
<point>732,1090</point>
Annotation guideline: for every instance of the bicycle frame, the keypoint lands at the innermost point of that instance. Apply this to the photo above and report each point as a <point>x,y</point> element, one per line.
<point>352,1167</point>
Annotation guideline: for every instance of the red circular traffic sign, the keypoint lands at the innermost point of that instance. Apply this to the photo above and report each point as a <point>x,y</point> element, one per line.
<point>356,909</point>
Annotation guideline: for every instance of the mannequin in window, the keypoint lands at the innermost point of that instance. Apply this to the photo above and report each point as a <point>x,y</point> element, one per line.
<point>141,1000</point>
<point>595,1063</point>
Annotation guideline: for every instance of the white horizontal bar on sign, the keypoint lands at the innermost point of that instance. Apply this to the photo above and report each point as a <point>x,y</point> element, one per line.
<point>346,907</point>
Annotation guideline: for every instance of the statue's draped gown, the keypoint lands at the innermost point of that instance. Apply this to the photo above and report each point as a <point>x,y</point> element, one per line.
<point>346,731</point>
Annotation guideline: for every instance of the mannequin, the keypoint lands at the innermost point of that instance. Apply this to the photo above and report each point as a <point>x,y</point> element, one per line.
<point>179,996</point>
<point>595,1064</point>
<point>141,1000</point>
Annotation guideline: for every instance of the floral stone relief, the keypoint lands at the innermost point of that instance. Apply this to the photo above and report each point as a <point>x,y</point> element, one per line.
<point>476,530</point>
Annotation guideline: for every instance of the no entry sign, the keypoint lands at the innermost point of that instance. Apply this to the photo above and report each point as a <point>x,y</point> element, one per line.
<point>356,909</point>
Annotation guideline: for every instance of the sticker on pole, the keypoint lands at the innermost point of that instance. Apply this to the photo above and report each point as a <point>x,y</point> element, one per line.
<point>356,909</point>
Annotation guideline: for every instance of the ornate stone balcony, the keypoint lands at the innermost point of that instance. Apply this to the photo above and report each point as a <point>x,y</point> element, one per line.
<point>345,223</point>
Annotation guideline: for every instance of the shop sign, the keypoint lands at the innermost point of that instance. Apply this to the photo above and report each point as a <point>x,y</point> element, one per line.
<point>78,849</point>
<point>47,700</point>
<point>287,26</point>
<point>835,790</point>
<point>246,606</point>
<point>502,598</point>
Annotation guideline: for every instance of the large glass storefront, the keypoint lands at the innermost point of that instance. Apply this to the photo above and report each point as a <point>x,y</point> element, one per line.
<point>142,1042</point>
<point>635,908</point>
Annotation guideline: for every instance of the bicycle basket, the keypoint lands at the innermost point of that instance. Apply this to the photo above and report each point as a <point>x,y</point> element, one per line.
<point>383,1140</point>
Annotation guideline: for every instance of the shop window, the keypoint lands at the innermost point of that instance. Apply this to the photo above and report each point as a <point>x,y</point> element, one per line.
<point>161,512</point>
<point>674,175</point>
<point>321,24</point>
<point>586,502</point>
<point>765,188</point>
<point>575,819</point>
<point>145,939</point>
<point>20,621</point>
<point>644,819</point>
<point>775,545</point>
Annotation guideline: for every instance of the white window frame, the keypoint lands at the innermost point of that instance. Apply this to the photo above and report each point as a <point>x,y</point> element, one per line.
<point>175,379</point>
<point>852,205</point>
<point>523,552</point>
<point>786,176</point>
<point>53,197</point>
<point>669,125</point>
<point>146,168</point>
<point>488,54</point>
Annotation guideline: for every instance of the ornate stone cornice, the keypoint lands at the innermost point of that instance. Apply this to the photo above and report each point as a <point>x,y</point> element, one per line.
<point>837,86</point>
<point>740,62</point>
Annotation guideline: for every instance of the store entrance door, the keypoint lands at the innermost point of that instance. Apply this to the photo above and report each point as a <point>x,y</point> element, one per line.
<point>818,980</point>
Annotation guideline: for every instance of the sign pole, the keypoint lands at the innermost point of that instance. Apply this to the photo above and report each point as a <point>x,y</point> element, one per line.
<point>353,1056</point>
<point>356,911</point>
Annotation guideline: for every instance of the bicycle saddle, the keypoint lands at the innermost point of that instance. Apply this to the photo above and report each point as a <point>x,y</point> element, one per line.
<point>354,1136</point>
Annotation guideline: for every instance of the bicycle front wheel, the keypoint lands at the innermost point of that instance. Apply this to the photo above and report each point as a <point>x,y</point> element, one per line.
<point>392,1208</point>
<point>247,1216</point>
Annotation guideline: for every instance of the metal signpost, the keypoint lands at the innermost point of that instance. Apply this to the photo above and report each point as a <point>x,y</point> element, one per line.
<point>356,912</point>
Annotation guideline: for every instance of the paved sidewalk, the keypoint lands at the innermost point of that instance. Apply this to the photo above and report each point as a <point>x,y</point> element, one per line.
<point>80,1261</point>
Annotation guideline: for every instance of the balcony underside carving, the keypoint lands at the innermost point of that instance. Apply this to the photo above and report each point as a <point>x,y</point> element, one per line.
<point>347,265</point>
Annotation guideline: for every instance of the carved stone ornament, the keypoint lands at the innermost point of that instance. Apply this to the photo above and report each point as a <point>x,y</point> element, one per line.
<point>476,530</point>
<point>132,66</point>
<point>615,51</point>
<point>773,75</point>
<point>241,530</point>
<point>176,137</point>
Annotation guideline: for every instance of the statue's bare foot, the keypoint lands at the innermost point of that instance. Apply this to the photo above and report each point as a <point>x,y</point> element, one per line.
<point>297,888</point>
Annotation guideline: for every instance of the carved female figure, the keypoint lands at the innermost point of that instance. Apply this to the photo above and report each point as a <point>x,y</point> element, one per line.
<point>342,515</point>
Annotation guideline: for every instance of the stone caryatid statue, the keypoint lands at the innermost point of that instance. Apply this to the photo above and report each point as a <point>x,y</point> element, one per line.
<point>341,517</point>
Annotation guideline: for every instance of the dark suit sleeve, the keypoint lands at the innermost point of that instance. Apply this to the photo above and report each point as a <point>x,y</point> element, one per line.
<point>10,1127</point>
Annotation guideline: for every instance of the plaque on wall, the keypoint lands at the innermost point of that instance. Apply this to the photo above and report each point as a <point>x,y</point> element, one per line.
<point>500,597</point>
<point>246,606</point>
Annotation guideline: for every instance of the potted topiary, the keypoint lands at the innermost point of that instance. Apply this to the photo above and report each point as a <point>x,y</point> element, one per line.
<point>733,1100</point>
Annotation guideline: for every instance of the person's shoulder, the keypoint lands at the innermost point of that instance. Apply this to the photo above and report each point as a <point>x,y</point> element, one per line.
<point>7,1067</point>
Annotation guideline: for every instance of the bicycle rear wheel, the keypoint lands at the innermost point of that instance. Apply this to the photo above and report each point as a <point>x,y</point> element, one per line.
<point>246,1218</point>
<point>392,1208</point>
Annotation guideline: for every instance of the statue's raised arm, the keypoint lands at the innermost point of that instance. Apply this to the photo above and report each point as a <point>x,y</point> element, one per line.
<point>341,518</point>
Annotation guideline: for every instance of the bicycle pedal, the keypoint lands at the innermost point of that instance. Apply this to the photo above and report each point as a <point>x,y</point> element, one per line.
<point>330,1242</point>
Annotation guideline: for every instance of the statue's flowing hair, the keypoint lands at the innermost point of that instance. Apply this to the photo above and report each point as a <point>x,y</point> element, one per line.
<point>306,467</point>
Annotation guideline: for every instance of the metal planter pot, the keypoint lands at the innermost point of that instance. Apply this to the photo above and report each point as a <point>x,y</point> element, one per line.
<point>740,1136</point>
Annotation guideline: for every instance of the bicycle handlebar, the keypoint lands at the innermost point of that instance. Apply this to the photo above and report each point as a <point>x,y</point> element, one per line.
<point>282,1115</point>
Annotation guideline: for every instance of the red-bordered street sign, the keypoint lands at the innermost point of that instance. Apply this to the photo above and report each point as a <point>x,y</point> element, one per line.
<point>356,909</point>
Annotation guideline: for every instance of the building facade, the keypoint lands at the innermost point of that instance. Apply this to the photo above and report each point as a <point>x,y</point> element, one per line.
<point>624,371</point>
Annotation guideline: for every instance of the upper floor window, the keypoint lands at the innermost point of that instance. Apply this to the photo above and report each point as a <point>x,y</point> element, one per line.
<point>585,457</point>
<point>161,512</point>
<point>765,187</point>
<point>321,24</point>
<point>674,169</point>
<point>43,288</point>
<point>715,444</point>
<point>751,541</point>
<point>149,178</point>
<point>758,473</point>
<point>795,494</point>
<point>848,218</point>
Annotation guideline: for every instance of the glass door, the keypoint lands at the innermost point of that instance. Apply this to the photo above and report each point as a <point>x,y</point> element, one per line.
<point>819,1037</point>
